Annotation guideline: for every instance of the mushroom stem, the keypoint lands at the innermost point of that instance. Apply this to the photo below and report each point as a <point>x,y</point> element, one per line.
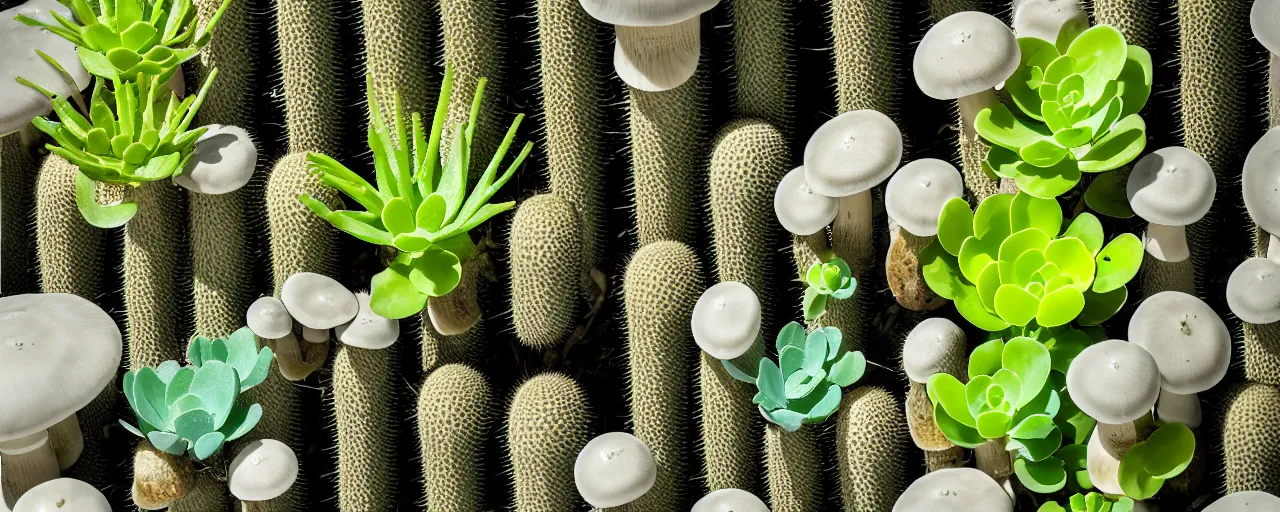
<point>298,360</point>
<point>1167,243</point>
<point>902,267</point>
<point>1107,446</point>
<point>970,106</point>
<point>315,335</point>
<point>652,54</point>
<point>25,463</point>
<point>67,441</point>
<point>1175,408</point>
<point>851,231</point>
<point>1273,248</point>
<point>992,459</point>
<point>459,310</point>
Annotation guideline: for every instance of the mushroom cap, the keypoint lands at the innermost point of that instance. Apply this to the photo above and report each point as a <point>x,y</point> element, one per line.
<point>1253,291</point>
<point>930,346</point>
<point>1260,179</point>
<point>1246,501</point>
<point>63,494</point>
<point>1173,186</point>
<point>20,104</point>
<point>1264,20</point>
<point>646,13</point>
<point>964,54</point>
<point>223,161</point>
<point>730,500</point>
<point>368,329</point>
<point>726,320</point>
<point>1098,372</point>
<point>800,210</point>
<point>268,318</point>
<point>614,469</point>
<point>915,194</point>
<point>263,470</point>
<point>57,353</point>
<point>317,301</point>
<point>1046,18</point>
<point>954,490</point>
<point>1189,341</point>
<point>851,153</point>
<point>657,59</point>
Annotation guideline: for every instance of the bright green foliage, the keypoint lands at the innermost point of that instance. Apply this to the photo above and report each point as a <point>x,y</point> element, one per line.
<point>1009,263</point>
<point>1092,502</point>
<point>1077,106</point>
<point>1164,455</point>
<point>195,409</point>
<point>830,280</point>
<point>805,387</point>
<point>420,205</point>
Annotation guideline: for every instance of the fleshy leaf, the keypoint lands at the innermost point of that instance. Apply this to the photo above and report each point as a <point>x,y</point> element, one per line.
<point>167,442</point>
<point>961,435</point>
<point>393,295</point>
<point>1029,359</point>
<point>955,224</point>
<point>770,381</point>
<point>207,445</point>
<point>1088,229</point>
<point>790,421</point>
<point>986,359</point>
<point>1044,477</point>
<point>436,272</point>
<point>1170,449</point>
<point>1047,182</point>
<point>1028,211</point>
<point>1133,477</point>
<point>1106,195</point>
<point>993,424</point>
<point>948,392</point>
<point>1060,307</point>
<point>1016,305</point>
<point>1099,307</point>
<point>1127,139</point>
<point>1118,263</point>
<point>848,369</point>
<point>1100,54</point>
<point>1136,77</point>
<point>999,126</point>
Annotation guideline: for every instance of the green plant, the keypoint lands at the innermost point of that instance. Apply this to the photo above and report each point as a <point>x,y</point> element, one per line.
<point>1079,104</point>
<point>195,409</point>
<point>805,388</point>
<point>1092,502</point>
<point>830,280</point>
<point>1163,455</point>
<point>1009,263</point>
<point>419,206</point>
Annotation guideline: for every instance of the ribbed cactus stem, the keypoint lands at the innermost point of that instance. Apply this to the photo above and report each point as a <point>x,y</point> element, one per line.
<point>870,449</point>
<point>454,413</point>
<point>1249,429</point>
<point>794,469</point>
<point>308,60</point>
<point>154,297</point>
<point>851,240</point>
<point>208,494</point>
<point>1157,276</point>
<point>546,270</point>
<point>547,426</point>
<point>762,59</point>
<point>1134,18</point>
<point>18,169</point>
<point>364,391</point>
<point>668,137</point>
<point>473,45</point>
<point>864,35</point>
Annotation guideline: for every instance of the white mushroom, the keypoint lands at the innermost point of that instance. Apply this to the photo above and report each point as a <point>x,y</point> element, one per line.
<point>223,161</point>
<point>1175,408</point>
<point>800,210</point>
<point>658,41</point>
<point>1170,188</point>
<point>63,495</point>
<point>730,500</point>
<point>1045,19</point>
<point>964,57</point>
<point>1253,291</point>
<point>1191,346</point>
<point>916,193</point>
<point>1247,501</point>
<point>368,329</point>
<point>954,490</point>
<point>726,320</point>
<point>317,301</point>
<point>1264,20</point>
<point>25,463</point>
<point>614,469</point>
<point>1101,369</point>
<point>263,470</point>
<point>315,335</point>
<point>268,318</point>
<point>19,104</point>
<point>935,345</point>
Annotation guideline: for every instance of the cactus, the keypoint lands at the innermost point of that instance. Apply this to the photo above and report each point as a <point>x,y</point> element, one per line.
<point>398,53</point>
<point>473,45</point>
<point>453,424</point>
<point>870,450</point>
<point>794,469</point>
<point>18,168</point>
<point>1134,18</point>
<point>439,350</point>
<point>1249,430</point>
<point>762,34</point>
<point>729,422</point>
<point>364,389</point>
<point>663,281</point>
<point>308,53</point>
<point>667,148</point>
<point>154,261</point>
<point>545,270</point>
<point>547,426</point>
<point>863,32</point>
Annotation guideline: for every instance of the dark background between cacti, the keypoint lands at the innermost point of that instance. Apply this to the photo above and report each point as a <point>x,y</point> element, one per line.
<point>597,358</point>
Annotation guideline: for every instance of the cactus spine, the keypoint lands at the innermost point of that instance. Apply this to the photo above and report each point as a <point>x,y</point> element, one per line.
<point>663,281</point>
<point>667,144</point>
<point>762,59</point>
<point>453,424</point>
<point>363,393</point>
<point>153,248</point>
<point>794,469</point>
<point>308,53</point>
<point>1134,18</point>
<point>546,428</point>
<point>472,32</point>
<point>1249,430</point>
<point>870,450</point>
<point>18,168</point>
<point>545,270</point>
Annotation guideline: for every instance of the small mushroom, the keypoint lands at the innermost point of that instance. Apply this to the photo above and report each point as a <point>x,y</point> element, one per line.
<point>19,104</point>
<point>67,441</point>
<point>263,470</point>
<point>268,318</point>
<point>916,193</point>
<point>25,463</point>
<point>1103,368</point>
<point>317,301</point>
<point>800,210</point>
<point>1170,188</point>
<point>1253,291</point>
<point>726,320</point>
<point>730,500</point>
<point>223,161</point>
<point>310,335</point>
<point>1260,179</point>
<point>965,57</point>
<point>954,490</point>
<point>368,329</point>
<point>63,495</point>
<point>1189,341</point>
<point>614,469</point>
<point>1045,19</point>
<point>658,42</point>
<point>1247,501</point>
<point>1264,20</point>
<point>935,345</point>
<point>1175,408</point>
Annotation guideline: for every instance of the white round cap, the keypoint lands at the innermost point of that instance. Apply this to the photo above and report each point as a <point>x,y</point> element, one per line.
<point>20,104</point>
<point>1264,19</point>
<point>726,320</point>
<point>657,59</point>
<point>62,495</point>
<point>223,161</point>
<point>368,329</point>
<point>915,194</point>
<point>930,348</point>
<point>1246,501</point>
<point>317,301</point>
<point>851,153</point>
<point>268,318</point>
<point>1253,291</point>
<point>646,13</point>
<point>1189,341</point>
<point>1173,186</point>
<point>964,54</point>
<point>614,469</point>
<point>57,353</point>
<point>1045,18</point>
<point>954,490</point>
<point>730,500</point>
<point>263,470</point>
<point>800,210</point>
<point>1099,374</point>
<point>1260,180</point>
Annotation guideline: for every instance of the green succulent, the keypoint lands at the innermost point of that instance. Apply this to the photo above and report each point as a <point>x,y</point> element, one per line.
<point>1009,263</point>
<point>420,205</point>
<point>195,409</point>
<point>1163,455</point>
<point>1077,111</point>
<point>1092,502</point>
<point>830,280</point>
<point>805,388</point>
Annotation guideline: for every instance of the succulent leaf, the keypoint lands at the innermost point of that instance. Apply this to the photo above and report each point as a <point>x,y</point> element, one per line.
<point>804,387</point>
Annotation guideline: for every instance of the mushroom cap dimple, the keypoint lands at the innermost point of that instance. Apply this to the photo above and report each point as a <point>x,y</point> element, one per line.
<point>62,494</point>
<point>318,301</point>
<point>20,104</point>
<point>1260,180</point>
<point>1246,501</point>
<point>57,352</point>
<point>930,345</point>
<point>964,54</point>
<point>646,13</point>
<point>851,153</point>
<point>726,320</point>
<point>1046,18</point>
<point>1253,291</point>
<point>1189,341</point>
<point>263,470</point>
<point>730,500</point>
<point>800,210</point>
<point>223,161</point>
<point>368,329</point>
<point>915,194</point>
<point>614,469</point>
<point>954,490</point>
<point>1103,368</point>
<point>1264,20</point>
<point>268,318</point>
<point>1173,186</point>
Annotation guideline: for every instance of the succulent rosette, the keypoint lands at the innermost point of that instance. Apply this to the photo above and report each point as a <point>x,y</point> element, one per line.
<point>804,386</point>
<point>830,280</point>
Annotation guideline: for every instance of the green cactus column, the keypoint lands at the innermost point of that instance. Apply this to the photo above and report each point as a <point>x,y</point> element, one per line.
<point>398,52</point>
<point>439,350</point>
<point>454,414</point>
<point>668,131</point>
<point>546,270</point>
<point>154,296</point>
<point>18,169</point>
<point>368,448</point>
<point>794,469</point>
<point>1134,18</point>
<point>547,425</point>
<point>1249,430</point>
<point>473,43</point>
<point>871,450</point>
<point>762,60</point>
<point>308,53</point>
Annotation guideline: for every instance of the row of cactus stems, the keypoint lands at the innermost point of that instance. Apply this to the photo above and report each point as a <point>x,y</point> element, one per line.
<point>17,190</point>
<point>668,139</point>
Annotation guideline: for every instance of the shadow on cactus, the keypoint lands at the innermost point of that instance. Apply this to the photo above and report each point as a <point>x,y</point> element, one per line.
<point>1009,263</point>
<point>830,280</point>
<point>1077,111</point>
<point>1092,502</point>
<point>195,409</point>
<point>420,205</point>
<point>805,386</point>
